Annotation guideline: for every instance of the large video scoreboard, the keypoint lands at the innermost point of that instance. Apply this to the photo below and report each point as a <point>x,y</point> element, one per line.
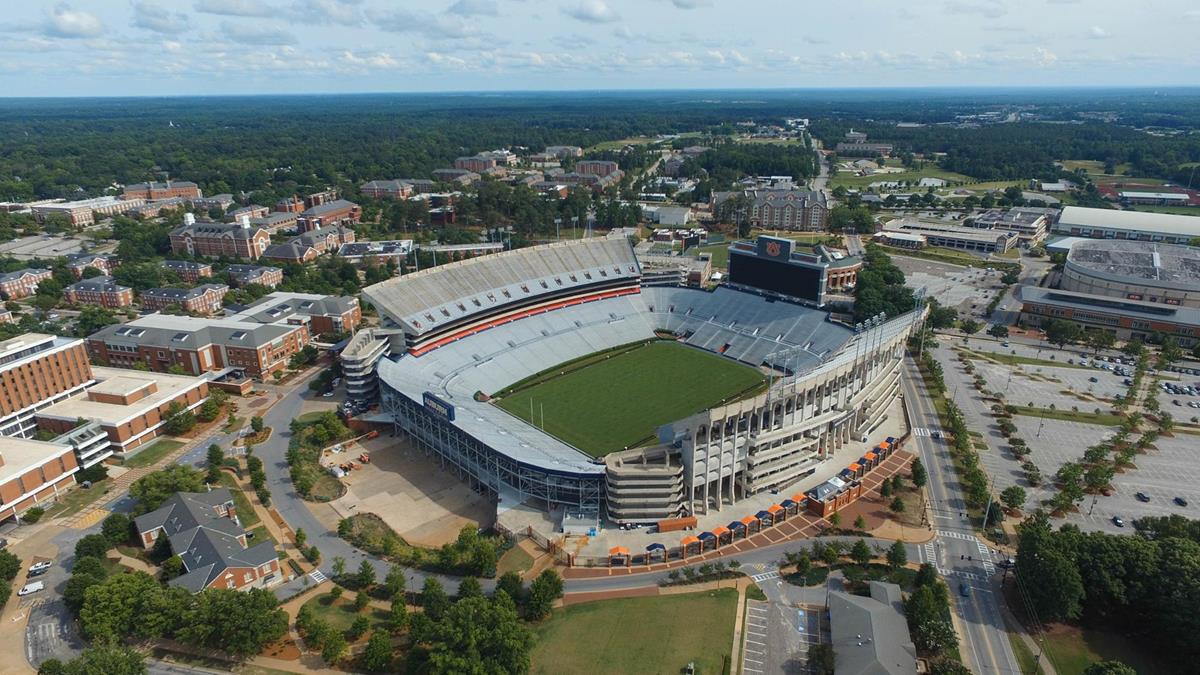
<point>772,265</point>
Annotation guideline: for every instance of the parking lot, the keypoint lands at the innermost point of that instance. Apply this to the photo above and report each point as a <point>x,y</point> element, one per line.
<point>967,289</point>
<point>1061,390</point>
<point>777,636</point>
<point>1163,474</point>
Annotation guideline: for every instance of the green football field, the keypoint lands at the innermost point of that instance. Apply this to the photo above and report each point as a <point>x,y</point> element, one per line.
<point>619,400</point>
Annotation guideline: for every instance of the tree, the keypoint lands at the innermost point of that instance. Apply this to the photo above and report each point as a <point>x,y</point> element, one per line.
<point>334,649</point>
<point>917,473</point>
<point>153,489</point>
<point>829,555</point>
<point>1099,339</point>
<point>470,587</point>
<point>942,317</point>
<point>377,657</point>
<point>803,565</point>
<point>897,556</point>
<point>1061,332</point>
<point>398,614</point>
<point>339,566</point>
<point>358,628</point>
<point>394,583</point>
<point>1013,497</point>
<point>180,420</point>
<point>1109,668</point>
<point>215,457</point>
<point>10,565</point>
<point>860,552</point>
<point>897,505</point>
<point>116,528</point>
<point>835,519</point>
<point>366,574</point>
<point>476,636</point>
<point>821,659</point>
<point>93,546</point>
<point>118,607</point>
<point>543,591</point>
<point>361,600</point>
<point>885,489</point>
<point>1010,277</point>
<point>434,600</point>
<point>510,583</point>
<point>1052,580</point>
<point>860,523</point>
<point>926,610</point>
<point>256,424</point>
<point>969,326</point>
<point>998,330</point>
<point>239,623</point>
<point>105,659</point>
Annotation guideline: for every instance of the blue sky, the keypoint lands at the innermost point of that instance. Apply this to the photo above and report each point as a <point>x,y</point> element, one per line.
<point>171,47</point>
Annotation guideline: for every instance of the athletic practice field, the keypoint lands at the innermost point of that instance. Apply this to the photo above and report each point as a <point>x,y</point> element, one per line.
<point>658,634</point>
<point>618,399</point>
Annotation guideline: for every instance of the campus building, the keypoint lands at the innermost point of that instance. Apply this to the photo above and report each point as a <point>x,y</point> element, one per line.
<point>324,314</point>
<point>33,473</point>
<point>166,190</point>
<point>778,209</point>
<point>130,406</point>
<point>309,245</point>
<point>1078,221</point>
<point>204,530</point>
<point>381,252</point>
<point>1134,270</point>
<point>190,272</point>
<point>22,283</point>
<point>1030,224</point>
<point>78,262</point>
<point>203,299</point>
<point>338,212</point>
<point>239,239</point>
<point>38,370</point>
<point>974,239</point>
<point>263,275</point>
<point>85,212</point>
<point>1126,319</point>
<point>359,359</point>
<point>101,291</point>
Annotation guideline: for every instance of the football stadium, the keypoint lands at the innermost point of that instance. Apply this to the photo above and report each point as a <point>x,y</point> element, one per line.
<point>548,375</point>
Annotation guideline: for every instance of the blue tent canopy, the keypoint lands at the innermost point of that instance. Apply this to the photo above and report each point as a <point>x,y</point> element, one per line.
<point>656,547</point>
<point>735,525</point>
<point>706,535</point>
<point>787,503</point>
<point>763,514</point>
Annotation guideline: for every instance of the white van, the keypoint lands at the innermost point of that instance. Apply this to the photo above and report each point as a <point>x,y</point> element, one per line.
<point>32,588</point>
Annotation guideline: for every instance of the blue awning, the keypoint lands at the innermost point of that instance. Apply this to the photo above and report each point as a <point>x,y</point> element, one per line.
<point>891,440</point>
<point>787,503</point>
<point>656,547</point>
<point>736,525</point>
<point>706,535</point>
<point>763,514</point>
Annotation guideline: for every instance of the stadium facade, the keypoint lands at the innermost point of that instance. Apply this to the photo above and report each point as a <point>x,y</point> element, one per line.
<point>469,329</point>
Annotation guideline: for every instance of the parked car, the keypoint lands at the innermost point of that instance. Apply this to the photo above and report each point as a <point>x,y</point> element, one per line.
<point>1116,520</point>
<point>1180,501</point>
<point>964,590</point>
<point>41,566</point>
<point>1142,497</point>
<point>1093,379</point>
<point>32,587</point>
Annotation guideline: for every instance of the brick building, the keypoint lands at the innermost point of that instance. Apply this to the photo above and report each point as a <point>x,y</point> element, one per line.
<point>22,283</point>
<point>85,212</point>
<point>78,262</point>
<point>203,529</point>
<point>777,209</point>
<point>308,245</point>
<point>337,212</point>
<point>155,190</point>
<point>263,275</point>
<point>476,163</point>
<point>199,345</point>
<point>325,313</point>
<point>37,370</point>
<point>33,473</point>
<point>189,271</point>
<point>203,299</point>
<point>596,167</point>
<point>237,240</point>
<point>101,291</point>
<point>387,189</point>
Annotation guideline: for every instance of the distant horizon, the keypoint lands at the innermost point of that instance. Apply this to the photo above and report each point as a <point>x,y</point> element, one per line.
<point>149,48</point>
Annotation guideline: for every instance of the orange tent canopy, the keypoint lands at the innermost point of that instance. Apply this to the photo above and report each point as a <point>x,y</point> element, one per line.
<point>855,467</point>
<point>720,530</point>
<point>871,456</point>
<point>884,444</point>
<point>774,508</point>
<point>689,540</point>
<point>749,519</point>
<point>618,550</point>
<point>798,498</point>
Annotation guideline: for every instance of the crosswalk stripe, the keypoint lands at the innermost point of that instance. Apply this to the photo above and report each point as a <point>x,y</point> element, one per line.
<point>317,576</point>
<point>922,432</point>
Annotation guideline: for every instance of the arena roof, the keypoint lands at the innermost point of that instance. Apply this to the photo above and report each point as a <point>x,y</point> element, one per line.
<point>425,300</point>
<point>1111,219</point>
<point>1136,261</point>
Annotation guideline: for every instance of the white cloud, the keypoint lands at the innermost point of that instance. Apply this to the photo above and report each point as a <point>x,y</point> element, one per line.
<point>991,9</point>
<point>65,22</point>
<point>344,12</point>
<point>377,60</point>
<point>474,8</point>
<point>437,27</point>
<point>235,7</point>
<point>691,4</point>
<point>1044,57</point>
<point>152,17</point>
<point>591,11</point>
<point>256,35</point>
<point>1098,33</point>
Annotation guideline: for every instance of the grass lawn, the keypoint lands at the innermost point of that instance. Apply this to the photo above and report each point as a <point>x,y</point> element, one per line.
<point>310,417</point>
<point>1104,419</point>
<point>341,614</point>
<point>950,256</point>
<point>515,559</point>
<point>1073,649</point>
<point>152,454</point>
<point>1013,359</point>
<point>848,179</point>
<point>719,252</point>
<point>246,514</point>
<point>1177,210</point>
<point>76,500</point>
<point>659,634</point>
<point>619,399</point>
<point>1025,658</point>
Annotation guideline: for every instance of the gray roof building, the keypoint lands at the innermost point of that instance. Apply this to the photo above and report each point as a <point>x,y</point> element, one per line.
<point>182,294</point>
<point>870,634</point>
<point>97,285</point>
<point>280,306</point>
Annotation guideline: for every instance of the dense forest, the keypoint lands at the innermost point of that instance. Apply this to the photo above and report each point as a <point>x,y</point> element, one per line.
<point>276,145</point>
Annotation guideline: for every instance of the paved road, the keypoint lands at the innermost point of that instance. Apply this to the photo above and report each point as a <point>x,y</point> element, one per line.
<point>963,559</point>
<point>821,182</point>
